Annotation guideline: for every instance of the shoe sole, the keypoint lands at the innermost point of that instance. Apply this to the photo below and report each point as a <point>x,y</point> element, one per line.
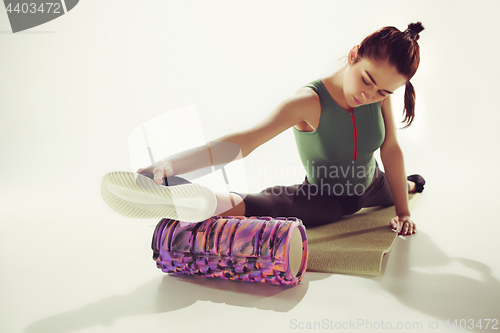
<point>137,196</point>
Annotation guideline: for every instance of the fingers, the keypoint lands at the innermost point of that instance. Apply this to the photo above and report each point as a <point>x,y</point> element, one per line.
<point>157,171</point>
<point>158,175</point>
<point>403,226</point>
<point>411,228</point>
<point>406,226</point>
<point>394,224</point>
<point>168,171</point>
<point>164,170</point>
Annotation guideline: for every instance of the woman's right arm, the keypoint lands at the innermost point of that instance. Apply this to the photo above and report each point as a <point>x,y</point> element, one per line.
<point>303,106</point>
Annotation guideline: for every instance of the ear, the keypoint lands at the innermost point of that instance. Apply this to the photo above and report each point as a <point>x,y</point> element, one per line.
<point>353,55</point>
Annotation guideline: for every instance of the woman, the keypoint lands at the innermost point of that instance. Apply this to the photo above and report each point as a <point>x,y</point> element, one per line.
<point>338,121</point>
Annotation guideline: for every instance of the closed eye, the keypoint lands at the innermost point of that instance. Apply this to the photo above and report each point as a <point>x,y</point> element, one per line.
<point>380,92</point>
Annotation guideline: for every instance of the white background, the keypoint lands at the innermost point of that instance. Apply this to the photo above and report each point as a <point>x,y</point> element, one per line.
<point>72,91</point>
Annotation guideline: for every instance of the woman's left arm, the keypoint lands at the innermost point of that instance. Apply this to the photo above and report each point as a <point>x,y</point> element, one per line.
<point>393,161</point>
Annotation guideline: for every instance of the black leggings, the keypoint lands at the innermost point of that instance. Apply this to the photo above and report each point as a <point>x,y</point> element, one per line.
<point>305,202</point>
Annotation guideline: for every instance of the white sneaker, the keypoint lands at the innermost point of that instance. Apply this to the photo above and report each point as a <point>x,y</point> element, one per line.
<point>134,195</point>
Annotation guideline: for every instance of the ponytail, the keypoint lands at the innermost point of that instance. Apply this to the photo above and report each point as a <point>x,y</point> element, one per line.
<point>413,32</point>
<point>409,108</point>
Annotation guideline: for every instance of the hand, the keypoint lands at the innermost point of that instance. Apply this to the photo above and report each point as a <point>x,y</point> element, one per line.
<point>157,171</point>
<point>403,225</point>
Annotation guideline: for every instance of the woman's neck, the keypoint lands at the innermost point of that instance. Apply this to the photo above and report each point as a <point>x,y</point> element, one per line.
<point>335,86</point>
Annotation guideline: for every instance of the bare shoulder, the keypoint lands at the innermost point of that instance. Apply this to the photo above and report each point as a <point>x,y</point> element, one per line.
<point>310,109</point>
<point>307,94</point>
<point>305,97</point>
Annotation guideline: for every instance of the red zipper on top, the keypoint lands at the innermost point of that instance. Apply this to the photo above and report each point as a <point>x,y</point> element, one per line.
<point>355,130</point>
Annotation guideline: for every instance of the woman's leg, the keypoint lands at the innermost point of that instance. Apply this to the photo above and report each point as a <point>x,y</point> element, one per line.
<point>303,201</point>
<point>379,193</point>
<point>230,204</point>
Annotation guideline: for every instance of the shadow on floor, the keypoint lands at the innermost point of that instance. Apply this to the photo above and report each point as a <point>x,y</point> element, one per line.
<point>173,292</point>
<point>424,278</point>
<point>416,272</point>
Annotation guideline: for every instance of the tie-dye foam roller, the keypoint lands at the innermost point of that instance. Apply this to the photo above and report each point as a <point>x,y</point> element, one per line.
<point>252,249</point>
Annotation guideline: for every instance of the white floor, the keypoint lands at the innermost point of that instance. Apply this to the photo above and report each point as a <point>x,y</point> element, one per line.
<point>72,91</point>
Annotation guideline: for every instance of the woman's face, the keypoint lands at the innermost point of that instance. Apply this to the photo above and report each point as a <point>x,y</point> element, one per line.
<point>367,82</point>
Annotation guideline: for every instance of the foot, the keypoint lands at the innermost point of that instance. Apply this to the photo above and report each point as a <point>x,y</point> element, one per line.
<point>137,196</point>
<point>416,183</point>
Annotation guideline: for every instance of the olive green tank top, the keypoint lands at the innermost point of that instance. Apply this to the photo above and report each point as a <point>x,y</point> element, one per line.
<point>338,155</point>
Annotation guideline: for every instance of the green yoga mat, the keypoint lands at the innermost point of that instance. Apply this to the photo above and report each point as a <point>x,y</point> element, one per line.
<point>356,243</point>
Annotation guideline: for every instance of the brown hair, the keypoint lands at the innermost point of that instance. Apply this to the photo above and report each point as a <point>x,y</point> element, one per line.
<point>401,50</point>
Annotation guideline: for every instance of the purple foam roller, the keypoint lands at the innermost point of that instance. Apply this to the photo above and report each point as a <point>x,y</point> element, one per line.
<point>252,249</point>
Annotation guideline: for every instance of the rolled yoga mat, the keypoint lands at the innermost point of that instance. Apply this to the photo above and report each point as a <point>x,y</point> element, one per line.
<point>264,249</point>
<point>354,244</point>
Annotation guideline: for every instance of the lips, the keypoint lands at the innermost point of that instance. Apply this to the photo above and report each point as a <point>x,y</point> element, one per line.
<point>356,100</point>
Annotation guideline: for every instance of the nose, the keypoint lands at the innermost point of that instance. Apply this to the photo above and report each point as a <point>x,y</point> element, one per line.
<point>368,95</point>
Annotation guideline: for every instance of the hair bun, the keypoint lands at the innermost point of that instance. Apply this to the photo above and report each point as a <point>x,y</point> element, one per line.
<point>414,29</point>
